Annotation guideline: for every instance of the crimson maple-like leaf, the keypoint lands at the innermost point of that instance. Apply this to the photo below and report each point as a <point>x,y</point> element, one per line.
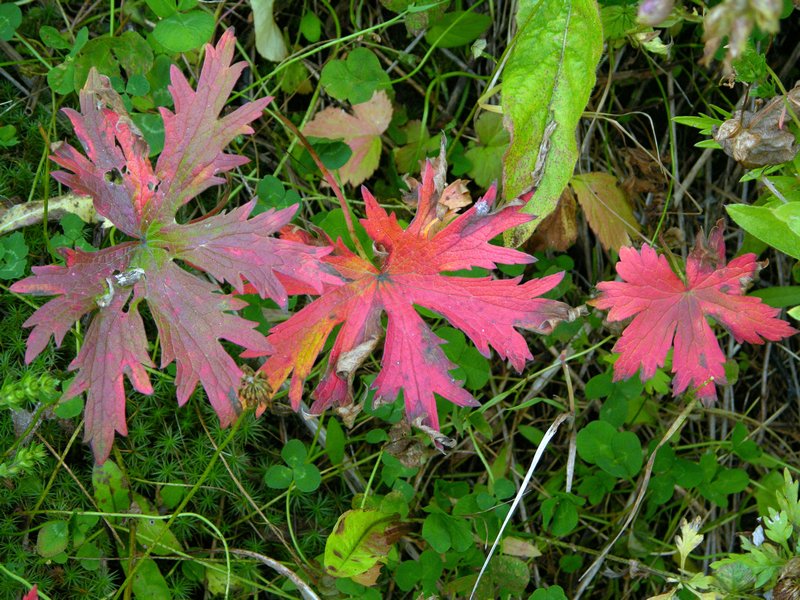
<point>412,270</point>
<point>668,312</point>
<point>191,313</point>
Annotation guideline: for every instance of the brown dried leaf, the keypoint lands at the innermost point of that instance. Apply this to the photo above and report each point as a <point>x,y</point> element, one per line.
<point>757,139</point>
<point>559,230</point>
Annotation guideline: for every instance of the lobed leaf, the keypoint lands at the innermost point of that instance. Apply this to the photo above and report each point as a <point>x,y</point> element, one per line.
<point>412,271</point>
<point>670,313</point>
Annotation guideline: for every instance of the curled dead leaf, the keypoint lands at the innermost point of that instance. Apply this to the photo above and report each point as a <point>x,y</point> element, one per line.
<point>757,139</point>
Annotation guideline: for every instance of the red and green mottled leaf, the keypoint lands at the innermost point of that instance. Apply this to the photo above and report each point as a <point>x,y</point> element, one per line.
<point>191,313</point>
<point>195,136</point>
<point>231,247</point>
<point>76,287</point>
<point>412,272</point>
<point>670,313</point>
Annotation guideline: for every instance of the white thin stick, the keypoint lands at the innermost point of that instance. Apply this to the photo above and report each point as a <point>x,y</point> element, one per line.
<point>521,492</point>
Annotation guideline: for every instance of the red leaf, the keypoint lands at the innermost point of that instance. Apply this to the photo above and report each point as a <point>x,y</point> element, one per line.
<point>194,136</point>
<point>76,287</point>
<point>191,313</point>
<point>115,345</point>
<point>191,317</point>
<point>33,594</point>
<point>667,310</point>
<point>411,273</point>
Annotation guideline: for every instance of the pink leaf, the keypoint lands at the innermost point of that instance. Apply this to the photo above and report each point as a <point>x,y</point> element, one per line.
<point>361,131</point>
<point>194,135</point>
<point>409,273</point>
<point>76,286</point>
<point>670,313</point>
<point>33,594</point>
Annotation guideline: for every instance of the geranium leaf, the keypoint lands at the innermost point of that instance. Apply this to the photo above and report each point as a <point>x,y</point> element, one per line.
<point>76,287</point>
<point>115,345</point>
<point>231,246</point>
<point>411,271</point>
<point>361,131</point>
<point>191,313</point>
<point>607,209</point>
<point>194,135</point>
<point>668,312</point>
<point>191,317</point>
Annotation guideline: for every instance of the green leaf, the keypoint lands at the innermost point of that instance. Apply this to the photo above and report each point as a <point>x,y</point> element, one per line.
<point>510,574</point>
<point>61,78</point>
<point>154,532</point>
<point>360,540</point>
<point>162,8</point>
<point>133,53</point>
<point>278,477</point>
<point>52,38</point>
<point>52,539</point>
<point>110,488</point>
<point>487,156</point>
<point>152,127</point>
<point>444,532</point>
<point>617,453</point>
<point>356,78</point>
<point>779,297</point>
<point>10,20</point>
<point>272,194</point>
<point>68,409</point>
<point>88,556</point>
<point>334,154</point>
<point>307,478</point>
<point>769,226</point>
<point>148,582</point>
<point>458,28</point>
<point>473,368</point>
<point>555,592</point>
<point>137,85</point>
<point>311,27</point>
<point>13,256</point>
<point>294,453</point>
<point>335,442</point>
<point>546,83</point>
<point>182,32</point>
<point>618,20</point>
<point>559,514</point>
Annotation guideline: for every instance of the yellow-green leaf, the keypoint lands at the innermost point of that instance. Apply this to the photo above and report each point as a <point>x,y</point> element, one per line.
<point>360,540</point>
<point>607,209</point>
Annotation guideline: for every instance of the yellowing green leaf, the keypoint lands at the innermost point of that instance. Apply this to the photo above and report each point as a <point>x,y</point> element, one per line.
<point>360,540</point>
<point>688,539</point>
<point>546,85</point>
<point>607,209</point>
<point>361,131</point>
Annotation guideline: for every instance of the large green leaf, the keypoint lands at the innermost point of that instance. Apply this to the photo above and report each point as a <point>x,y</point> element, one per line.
<point>546,85</point>
<point>774,223</point>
